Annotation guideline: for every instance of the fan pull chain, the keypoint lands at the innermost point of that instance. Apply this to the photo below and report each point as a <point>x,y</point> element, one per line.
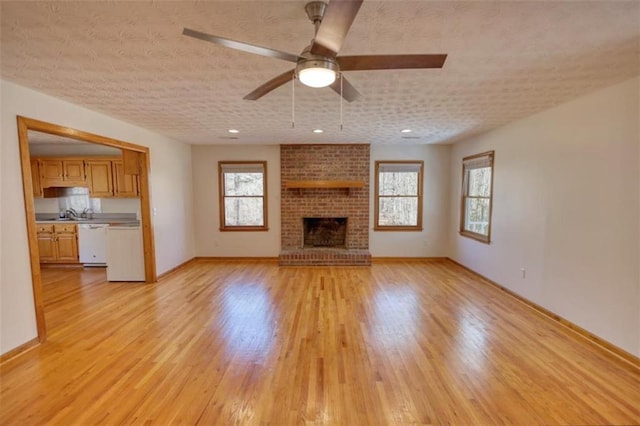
<point>293,102</point>
<point>341,100</point>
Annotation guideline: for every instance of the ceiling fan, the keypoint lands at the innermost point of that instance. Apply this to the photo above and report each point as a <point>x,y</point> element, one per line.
<point>319,64</point>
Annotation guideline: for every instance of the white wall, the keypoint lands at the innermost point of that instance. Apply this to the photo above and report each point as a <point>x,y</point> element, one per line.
<point>171,194</point>
<point>433,240</point>
<point>46,205</point>
<point>566,208</point>
<point>210,242</point>
<point>120,205</point>
<point>76,149</point>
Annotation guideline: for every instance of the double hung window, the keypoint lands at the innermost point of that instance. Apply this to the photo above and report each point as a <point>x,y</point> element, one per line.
<point>477,188</point>
<point>398,195</point>
<point>243,195</point>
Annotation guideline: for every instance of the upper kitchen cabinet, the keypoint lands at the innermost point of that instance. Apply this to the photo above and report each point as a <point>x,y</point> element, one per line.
<point>100,178</point>
<point>38,190</point>
<point>105,176</point>
<point>125,185</point>
<point>61,173</point>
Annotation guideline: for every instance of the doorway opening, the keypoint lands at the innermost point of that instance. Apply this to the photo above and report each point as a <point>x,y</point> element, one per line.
<point>136,155</point>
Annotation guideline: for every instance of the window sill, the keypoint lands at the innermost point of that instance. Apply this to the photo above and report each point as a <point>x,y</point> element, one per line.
<point>244,229</point>
<point>478,237</point>
<point>397,228</point>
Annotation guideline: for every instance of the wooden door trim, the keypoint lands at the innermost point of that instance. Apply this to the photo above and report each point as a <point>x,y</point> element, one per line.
<point>24,125</point>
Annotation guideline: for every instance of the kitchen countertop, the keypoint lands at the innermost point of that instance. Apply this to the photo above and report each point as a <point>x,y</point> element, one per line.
<point>122,219</point>
<point>121,222</point>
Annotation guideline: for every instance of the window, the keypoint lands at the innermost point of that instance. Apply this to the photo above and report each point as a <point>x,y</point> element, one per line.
<point>243,195</point>
<point>477,188</point>
<point>398,196</point>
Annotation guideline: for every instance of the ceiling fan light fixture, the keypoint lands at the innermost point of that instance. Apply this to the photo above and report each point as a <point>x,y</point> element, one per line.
<point>317,72</point>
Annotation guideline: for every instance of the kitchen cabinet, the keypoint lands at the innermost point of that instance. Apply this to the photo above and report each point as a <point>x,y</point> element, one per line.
<point>61,173</point>
<point>125,185</point>
<point>38,190</point>
<point>106,177</point>
<point>57,243</point>
<point>50,172</point>
<point>74,172</point>
<point>100,178</point>
<point>46,242</point>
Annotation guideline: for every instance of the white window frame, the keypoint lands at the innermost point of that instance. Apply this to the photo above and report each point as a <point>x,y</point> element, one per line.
<point>409,165</point>
<point>239,167</point>
<point>477,161</point>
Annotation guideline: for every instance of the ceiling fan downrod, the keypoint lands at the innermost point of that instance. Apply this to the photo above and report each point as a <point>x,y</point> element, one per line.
<point>315,11</point>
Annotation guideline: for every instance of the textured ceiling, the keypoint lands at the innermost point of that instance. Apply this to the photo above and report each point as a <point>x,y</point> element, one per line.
<point>506,60</point>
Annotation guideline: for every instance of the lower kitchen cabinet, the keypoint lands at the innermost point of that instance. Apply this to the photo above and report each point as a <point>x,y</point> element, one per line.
<point>46,243</point>
<point>57,243</point>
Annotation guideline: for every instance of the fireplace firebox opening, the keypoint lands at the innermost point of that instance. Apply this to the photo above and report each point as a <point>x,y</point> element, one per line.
<point>324,232</point>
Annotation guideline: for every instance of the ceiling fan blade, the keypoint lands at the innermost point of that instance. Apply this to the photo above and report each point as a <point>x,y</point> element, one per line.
<point>270,85</point>
<point>334,27</point>
<point>349,93</point>
<point>238,45</point>
<point>390,62</point>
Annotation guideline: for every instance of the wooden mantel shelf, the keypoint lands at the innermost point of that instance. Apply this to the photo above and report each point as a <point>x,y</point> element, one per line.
<point>310,184</point>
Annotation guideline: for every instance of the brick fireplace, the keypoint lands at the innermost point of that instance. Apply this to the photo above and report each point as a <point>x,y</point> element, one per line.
<point>328,185</point>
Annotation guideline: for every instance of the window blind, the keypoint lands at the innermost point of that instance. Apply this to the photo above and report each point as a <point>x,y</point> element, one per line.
<point>242,167</point>
<point>399,167</point>
<point>478,162</point>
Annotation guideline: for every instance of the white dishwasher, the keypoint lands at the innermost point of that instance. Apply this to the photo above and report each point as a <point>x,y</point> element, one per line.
<point>125,256</point>
<point>92,244</point>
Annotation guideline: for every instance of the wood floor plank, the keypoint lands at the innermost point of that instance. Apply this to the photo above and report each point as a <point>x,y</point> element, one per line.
<point>253,343</point>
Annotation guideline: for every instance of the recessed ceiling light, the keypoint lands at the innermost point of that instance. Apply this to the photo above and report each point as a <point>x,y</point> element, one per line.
<point>318,131</point>
<point>234,131</point>
<point>405,131</point>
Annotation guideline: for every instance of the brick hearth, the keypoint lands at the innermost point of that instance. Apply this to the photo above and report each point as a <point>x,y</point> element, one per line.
<point>325,257</point>
<point>327,163</point>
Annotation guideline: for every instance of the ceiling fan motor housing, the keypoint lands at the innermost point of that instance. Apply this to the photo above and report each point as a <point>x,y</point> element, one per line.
<point>323,64</point>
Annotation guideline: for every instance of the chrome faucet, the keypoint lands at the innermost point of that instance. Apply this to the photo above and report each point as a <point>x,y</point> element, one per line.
<point>87,213</point>
<point>71,213</point>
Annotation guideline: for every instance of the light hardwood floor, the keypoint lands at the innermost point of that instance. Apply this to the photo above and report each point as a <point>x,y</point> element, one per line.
<point>253,343</point>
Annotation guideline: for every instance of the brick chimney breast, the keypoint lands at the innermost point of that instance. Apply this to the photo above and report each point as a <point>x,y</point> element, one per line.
<point>325,163</point>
